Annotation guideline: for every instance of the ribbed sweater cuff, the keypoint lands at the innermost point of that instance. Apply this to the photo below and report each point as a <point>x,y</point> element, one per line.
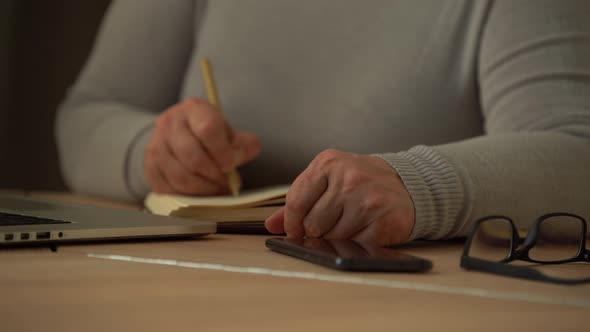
<point>435,188</point>
<point>134,175</point>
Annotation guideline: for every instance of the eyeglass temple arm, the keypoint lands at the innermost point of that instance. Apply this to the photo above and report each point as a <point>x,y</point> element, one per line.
<point>523,272</point>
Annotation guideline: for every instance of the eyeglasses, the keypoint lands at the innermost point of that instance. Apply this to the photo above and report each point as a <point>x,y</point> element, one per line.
<point>555,238</point>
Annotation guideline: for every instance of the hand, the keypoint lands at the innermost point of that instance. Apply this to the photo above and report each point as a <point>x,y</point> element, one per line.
<point>347,196</point>
<point>192,150</point>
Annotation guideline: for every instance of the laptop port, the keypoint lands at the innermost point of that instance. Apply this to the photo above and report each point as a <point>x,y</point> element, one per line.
<point>8,237</point>
<point>43,235</point>
<point>24,236</point>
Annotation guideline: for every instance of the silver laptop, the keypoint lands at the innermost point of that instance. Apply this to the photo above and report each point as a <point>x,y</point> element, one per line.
<point>26,220</point>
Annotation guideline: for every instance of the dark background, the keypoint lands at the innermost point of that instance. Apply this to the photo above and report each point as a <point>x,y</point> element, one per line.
<point>43,45</point>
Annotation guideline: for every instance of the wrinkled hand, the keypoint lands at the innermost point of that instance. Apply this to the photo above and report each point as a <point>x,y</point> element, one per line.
<point>192,150</point>
<point>347,196</point>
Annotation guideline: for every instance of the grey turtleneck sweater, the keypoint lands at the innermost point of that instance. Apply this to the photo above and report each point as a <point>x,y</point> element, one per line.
<point>482,107</point>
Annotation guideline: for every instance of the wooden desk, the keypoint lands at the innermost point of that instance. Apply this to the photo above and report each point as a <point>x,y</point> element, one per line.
<point>233,283</point>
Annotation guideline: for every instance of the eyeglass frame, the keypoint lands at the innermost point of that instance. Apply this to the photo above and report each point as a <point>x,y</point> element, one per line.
<point>521,252</point>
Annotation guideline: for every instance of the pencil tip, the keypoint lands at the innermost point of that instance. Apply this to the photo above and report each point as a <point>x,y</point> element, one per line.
<point>235,183</point>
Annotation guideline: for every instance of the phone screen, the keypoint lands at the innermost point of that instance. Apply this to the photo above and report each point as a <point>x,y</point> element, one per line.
<point>349,255</point>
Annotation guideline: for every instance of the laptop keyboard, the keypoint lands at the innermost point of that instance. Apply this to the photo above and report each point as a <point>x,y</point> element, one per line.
<point>10,219</point>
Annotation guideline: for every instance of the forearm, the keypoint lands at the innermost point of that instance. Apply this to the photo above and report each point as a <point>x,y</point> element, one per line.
<point>101,148</point>
<point>521,175</point>
<point>134,72</point>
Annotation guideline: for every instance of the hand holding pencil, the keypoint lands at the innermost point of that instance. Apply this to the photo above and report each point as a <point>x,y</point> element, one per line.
<point>193,150</point>
<point>235,182</point>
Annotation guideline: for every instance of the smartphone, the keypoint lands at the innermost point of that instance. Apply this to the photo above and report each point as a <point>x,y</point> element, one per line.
<point>349,255</point>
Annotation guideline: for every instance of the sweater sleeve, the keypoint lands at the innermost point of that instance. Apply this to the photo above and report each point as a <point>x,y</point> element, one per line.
<point>534,81</point>
<point>134,71</point>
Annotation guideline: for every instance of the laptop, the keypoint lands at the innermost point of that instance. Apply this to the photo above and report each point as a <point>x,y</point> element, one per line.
<point>25,220</point>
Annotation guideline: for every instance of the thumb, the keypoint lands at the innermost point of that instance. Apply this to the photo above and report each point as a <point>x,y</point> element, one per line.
<point>275,223</point>
<point>246,147</point>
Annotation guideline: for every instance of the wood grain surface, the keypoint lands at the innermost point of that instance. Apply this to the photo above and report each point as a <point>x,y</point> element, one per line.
<point>78,288</point>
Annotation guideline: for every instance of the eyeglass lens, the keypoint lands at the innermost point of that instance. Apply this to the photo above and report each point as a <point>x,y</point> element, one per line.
<point>558,239</point>
<point>492,240</point>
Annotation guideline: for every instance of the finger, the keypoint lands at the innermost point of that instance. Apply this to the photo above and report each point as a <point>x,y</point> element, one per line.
<point>346,248</point>
<point>352,220</point>
<point>302,195</point>
<point>246,147</point>
<point>275,223</point>
<point>324,214</point>
<point>210,128</point>
<point>381,232</point>
<point>156,179</point>
<point>183,181</point>
<point>363,206</point>
<point>366,235</point>
<point>187,149</point>
<point>371,249</point>
<point>321,245</point>
<point>347,225</point>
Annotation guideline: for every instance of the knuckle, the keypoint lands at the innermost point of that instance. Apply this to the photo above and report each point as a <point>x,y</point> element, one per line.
<point>252,146</point>
<point>373,202</point>
<point>190,103</point>
<point>330,152</point>
<point>352,179</point>
<point>311,228</point>
<point>207,128</point>
<point>328,157</point>
<point>163,123</point>
<point>294,205</point>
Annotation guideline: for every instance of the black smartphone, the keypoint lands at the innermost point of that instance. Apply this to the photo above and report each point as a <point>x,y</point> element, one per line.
<point>349,255</point>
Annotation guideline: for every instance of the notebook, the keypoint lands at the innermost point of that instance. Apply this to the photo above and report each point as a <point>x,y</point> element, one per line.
<point>244,213</point>
<point>25,220</point>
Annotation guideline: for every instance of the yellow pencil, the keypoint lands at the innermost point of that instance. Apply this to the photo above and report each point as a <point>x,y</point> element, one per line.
<point>235,182</point>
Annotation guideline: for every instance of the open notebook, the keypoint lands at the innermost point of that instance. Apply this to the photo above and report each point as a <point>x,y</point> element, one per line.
<point>243,213</point>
